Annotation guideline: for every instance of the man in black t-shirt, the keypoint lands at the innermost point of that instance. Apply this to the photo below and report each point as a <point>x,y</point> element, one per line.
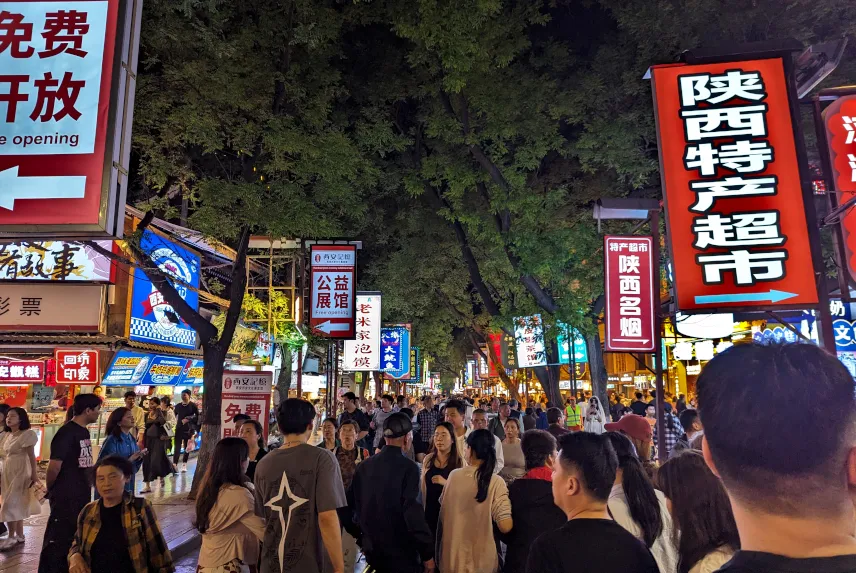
<point>590,541</point>
<point>69,482</point>
<point>791,480</point>
<point>638,406</point>
<point>353,413</point>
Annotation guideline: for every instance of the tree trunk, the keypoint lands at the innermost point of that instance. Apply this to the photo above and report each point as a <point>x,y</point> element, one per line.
<point>597,368</point>
<point>212,378</point>
<point>283,382</point>
<point>549,375</point>
<point>378,380</point>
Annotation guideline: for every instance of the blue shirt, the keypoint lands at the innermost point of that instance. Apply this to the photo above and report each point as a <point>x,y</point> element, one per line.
<point>124,446</point>
<point>541,423</point>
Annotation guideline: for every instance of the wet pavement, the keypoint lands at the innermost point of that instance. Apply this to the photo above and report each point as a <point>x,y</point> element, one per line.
<point>175,514</point>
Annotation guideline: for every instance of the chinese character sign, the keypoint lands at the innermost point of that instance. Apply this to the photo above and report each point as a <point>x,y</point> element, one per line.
<point>55,261</point>
<point>332,303</point>
<point>734,202</point>
<point>629,273</point>
<point>21,371</point>
<point>529,337</point>
<point>395,351</point>
<point>51,307</point>
<point>245,393</point>
<point>580,349</point>
<point>363,353</point>
<point>840,120</point>
<point>58,96</point>
<point>152,318</point>
<point>142,369</point>
<point>77,366</point>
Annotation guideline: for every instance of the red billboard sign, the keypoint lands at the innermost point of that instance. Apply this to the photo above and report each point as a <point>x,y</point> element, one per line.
<point>245,393</point>
<point>77,367</point>
<point>734,203</point>
<point>331,309</point>
<point>629,273</point>
<point>30,371</point>
<point>840,121</point>
<point>66,101</point>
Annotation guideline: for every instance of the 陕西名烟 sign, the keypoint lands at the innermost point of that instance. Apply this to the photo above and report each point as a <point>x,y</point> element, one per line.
<point>152,318</point>
<point>629,290</point>
<point>67,76</point>
<point>734,202</point>
<point>331,307</point>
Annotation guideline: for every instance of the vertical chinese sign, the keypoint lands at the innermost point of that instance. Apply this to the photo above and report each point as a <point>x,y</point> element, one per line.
<point>840,121</point>
<point>363,353</point>
<point>494,341</point>
<point>395,351</point>
<point>66,108</point>
<point>529,335</point>
<point>331,310</point>
<point>734,203</point>
<point>77,367</point>
<point>629,275</point>
<point>245,393</point>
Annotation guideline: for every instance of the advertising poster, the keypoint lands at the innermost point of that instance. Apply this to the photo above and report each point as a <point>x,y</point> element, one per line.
<point>245,393</point>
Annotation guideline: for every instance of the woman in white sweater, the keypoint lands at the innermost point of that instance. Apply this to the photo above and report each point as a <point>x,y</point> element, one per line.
<point>639,508</point>
<point>706,534</point>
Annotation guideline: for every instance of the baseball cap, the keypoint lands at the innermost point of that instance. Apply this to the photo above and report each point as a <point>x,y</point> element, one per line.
<point>634,426</point>
<point>397,425</point>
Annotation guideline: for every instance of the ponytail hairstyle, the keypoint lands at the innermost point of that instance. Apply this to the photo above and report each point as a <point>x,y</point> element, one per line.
<point>641,498</point>
<point>482,445</point>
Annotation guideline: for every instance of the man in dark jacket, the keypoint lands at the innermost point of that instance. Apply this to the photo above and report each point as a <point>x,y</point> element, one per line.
<point>532,508</point>
<point>187,418</point>
<point>389,521</point>
<point>554,419</point>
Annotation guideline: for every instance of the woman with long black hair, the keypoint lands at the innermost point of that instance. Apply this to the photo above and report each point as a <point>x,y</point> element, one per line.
<point>472,501</point>
<point>436,469</point>
<point>225,511</point>
<point>640,509</point>
<point>705,532</point>
<point>156,463</point>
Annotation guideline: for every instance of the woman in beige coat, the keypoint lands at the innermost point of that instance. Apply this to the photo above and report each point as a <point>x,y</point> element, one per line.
<point>225,512</point>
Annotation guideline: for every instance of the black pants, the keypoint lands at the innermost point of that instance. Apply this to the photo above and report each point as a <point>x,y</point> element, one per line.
<point>59,534</point>
<point>181,442</point>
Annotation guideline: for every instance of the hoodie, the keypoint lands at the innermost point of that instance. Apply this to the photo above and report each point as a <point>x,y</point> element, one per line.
<point>533,513</point>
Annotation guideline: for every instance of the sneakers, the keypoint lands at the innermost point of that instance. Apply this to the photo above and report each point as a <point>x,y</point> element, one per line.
<point>183,467</point>
<point>147,488</point>
<point>9,543</point>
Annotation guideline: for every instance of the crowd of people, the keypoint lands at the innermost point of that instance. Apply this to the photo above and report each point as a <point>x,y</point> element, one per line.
<point>460,488</point>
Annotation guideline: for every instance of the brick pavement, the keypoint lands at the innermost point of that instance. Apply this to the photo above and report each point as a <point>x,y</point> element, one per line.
<point>175,514</point>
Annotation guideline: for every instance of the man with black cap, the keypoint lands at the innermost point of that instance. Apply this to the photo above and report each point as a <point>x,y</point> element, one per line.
<point>389,520</point>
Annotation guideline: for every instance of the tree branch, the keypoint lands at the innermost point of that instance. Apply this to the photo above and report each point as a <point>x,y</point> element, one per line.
<point>239,283</point>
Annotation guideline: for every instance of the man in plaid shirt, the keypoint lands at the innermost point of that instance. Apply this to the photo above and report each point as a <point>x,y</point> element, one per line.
<point>674,430</point>
<point>427,420</point>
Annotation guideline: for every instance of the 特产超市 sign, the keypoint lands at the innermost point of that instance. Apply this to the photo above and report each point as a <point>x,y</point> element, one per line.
<point>734,202</point>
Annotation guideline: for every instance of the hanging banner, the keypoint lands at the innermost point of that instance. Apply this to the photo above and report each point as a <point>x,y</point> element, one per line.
<point>152,318</point>
<point>56,261</point>
<point>415,366</point>
<point>66,107</point>
<point>363,353</point>
<point>734,204</point>
<point>482,369</point>
<point>629,275</point>
<point>495,342</point>
<point>840,121</point>
<point>529,335</point>
<point>395,351</point>
<point>245,393</point>
<point>509,353</point>
<point>580,349</point>
<point>331,308</point>
<point>77,366</point>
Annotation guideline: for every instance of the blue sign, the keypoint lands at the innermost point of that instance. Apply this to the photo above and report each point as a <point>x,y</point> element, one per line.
<point>152,318</point>
<point>845,335</point>
<point>395,350</point>
<point>775,335</point>
<point>580,350</point>
<point>141,369</point>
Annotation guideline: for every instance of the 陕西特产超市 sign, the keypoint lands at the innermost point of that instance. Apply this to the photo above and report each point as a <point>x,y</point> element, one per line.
<point>734,203</point>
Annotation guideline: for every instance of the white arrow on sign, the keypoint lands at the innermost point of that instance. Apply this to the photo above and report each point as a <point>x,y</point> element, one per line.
<point>329,327</point>
<point>13,187</point>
